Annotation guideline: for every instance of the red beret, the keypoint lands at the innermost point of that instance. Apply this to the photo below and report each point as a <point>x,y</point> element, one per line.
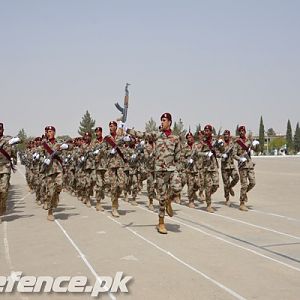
<point>98,129</point>
<point>167,116</point>
<point>226,132</point>
<point>188,134</point>
<point>209,127</point>
<point>50,128</point>
<point>242,128</point>
<point>113,122</point>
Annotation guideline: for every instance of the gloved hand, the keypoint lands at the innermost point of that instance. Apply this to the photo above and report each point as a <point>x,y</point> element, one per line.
<point>220,142</point>
<point>96,152</point>
<point>113,151</point>
<point>255,143</point>
<point>133,156</point>
<point>47,161</point>
<point>82,158</point>
<point>224,155</point>
<point>123,126</point>
<point>64,146</point>
<point>142,143</point>
<point>209,154</point>
<point>190,161</point>
<point>14,140</point>
<point>242,159</point>
<point>126,138</point>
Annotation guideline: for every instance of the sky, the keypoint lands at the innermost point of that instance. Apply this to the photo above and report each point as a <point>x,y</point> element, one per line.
<point>223,63</point>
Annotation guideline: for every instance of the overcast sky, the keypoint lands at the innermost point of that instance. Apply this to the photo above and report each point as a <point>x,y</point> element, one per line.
<point>220,62</point>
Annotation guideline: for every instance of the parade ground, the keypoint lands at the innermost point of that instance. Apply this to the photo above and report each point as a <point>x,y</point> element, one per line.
<point>225,255</point>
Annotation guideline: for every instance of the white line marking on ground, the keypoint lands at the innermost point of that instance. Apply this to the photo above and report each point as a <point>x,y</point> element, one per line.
<point>226,241</point>
<point>249,224</point>
<point>274,215</point>
<point>82,256</point>
<point>220,285</point>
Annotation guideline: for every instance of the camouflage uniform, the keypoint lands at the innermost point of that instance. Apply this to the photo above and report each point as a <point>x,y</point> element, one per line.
<point>150,170</point>
<point>167,159</point>
<point>228,169</point>
<point>190,170</point>
<point>5,171</point>
<point>246,168</point>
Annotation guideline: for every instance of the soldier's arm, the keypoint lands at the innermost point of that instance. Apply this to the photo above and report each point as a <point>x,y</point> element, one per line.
<point>143,135</point>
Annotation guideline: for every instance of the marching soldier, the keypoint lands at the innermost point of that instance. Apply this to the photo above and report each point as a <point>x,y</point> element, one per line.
<point>53,170</point>
<point>191,173</point>
<point>242,153</point>
<point>209,152</point>
<point>100,168</point>
<point>115,166</point>
<point>7,154</point>
<point>167,158</point>
<point>228,168</point>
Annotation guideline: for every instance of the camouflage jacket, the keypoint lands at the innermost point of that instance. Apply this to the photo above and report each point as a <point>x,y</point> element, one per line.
<point>228,162</point>
<point>149,152</point>
<point>209,163</point>
<point>239,152</point>
<point>114,160</point>
<point>5,167</point>
<point>55,165</point>
<point>189,158</point>
<point>167,149</point>
<point>101,156</point>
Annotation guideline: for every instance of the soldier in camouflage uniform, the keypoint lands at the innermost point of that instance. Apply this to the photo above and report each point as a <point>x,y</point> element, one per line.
<point>150,170</point>
<point>100,167</point>
<point>52,166</point>
<point>192,176</point>
<point>209,152</point>
<point>242,153</point>
<point>7,154</point>
<point>167,160</point>
<point>115,165</point>
<point>228,168</point>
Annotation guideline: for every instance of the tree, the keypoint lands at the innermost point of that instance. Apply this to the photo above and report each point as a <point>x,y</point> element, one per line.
<point>23,137</point>
<point>289,137</point>
<point>87,124</point>
<point>277,143</point>
<point>151,126</point>
<point>178,128</point>
<point>198,128</point>
<point>237,130</point>
<point>271,132</point>
<point>261,135</point>
<point>297,138</point>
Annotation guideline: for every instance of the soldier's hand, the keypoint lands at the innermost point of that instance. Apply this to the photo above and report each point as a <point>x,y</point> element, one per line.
<point>255,143</point>
<point>64,146</point>
<point>126,138</point>
<point>96,152</point>
<point>224,155</point>
<point>47,161</point>
<point>242,159</point>
<point>209,154</point>
<point>113,151</point>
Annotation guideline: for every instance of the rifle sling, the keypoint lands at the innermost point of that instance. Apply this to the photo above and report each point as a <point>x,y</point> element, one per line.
<point>7,156</point>
<point>113,144</point>
<point>50,152</point>
<point>244,147</point>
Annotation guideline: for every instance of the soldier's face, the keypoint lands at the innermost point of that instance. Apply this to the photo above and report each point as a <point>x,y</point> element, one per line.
<point>98,134</point>
<point>226,137</point>
<point>207,133</point>
<point>50,134</point>
<point>112,128</point>
<point>165,124</point>
<point>87,139</point>
<point>242,133</point>
<point>190,139</point>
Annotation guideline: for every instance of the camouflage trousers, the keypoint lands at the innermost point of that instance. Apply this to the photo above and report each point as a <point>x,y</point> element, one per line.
<point>151,184</point>
<point>4,185</point>
<point>133,184</point>
<point>100,184</point>
<point>88,182</point>
<point>54,187</point>
<point>201,181</point>
<point>117,182</point>
<point>211,184</point>
<point>247,177</point>
<point>168,186</point>
<point>192,184</point>
<point>228,174</point>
